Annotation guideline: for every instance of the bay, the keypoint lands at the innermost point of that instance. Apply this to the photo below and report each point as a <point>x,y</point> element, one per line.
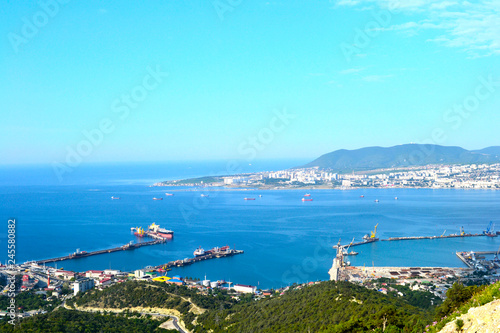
<point>285,240</point>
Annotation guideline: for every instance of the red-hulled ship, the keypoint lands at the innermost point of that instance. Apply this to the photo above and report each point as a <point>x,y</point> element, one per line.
<point>162,232</point>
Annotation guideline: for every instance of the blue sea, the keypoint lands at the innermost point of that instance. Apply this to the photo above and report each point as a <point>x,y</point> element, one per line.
<point>285,240</point>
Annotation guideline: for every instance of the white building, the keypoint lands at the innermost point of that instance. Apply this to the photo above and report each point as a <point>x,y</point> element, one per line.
<point>111,272</point>
<point>139,273</point>
<point>93,273</point>
<point>244,288</point>
<point>83,285</point>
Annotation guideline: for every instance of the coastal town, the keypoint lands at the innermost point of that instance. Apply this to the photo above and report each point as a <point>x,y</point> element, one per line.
<point>470,176</point>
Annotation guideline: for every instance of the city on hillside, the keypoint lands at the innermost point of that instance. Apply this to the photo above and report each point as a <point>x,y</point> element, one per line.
<point>471,176</point>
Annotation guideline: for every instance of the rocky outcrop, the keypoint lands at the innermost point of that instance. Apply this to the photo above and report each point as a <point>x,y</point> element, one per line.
<point>483,319</point>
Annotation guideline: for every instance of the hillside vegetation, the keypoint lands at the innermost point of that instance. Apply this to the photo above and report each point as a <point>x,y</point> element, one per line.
<point>371,158</point>
<point>325,307</point>
<point>62,320</point>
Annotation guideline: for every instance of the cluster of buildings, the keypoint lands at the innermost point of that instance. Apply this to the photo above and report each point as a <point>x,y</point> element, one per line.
<point>52,279</point>
<point>471,176</point>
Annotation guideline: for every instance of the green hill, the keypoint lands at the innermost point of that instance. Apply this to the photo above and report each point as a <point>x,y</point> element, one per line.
<point>325,307</point>
<point>494,150</point>
<point>407,155</point>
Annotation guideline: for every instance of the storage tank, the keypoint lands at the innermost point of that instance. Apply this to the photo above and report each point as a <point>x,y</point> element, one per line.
<point>214,284</point>
<point>206,283</point>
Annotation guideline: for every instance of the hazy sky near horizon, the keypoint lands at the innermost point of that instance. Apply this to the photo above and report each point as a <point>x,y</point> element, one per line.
<point>246,79</point>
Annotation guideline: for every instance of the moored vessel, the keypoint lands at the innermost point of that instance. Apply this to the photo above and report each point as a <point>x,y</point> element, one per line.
<point>139,232</point>
<point>198,252</point>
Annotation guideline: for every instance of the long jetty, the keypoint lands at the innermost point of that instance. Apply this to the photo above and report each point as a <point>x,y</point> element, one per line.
<point>129,246</point>
<point>430,237</point>
<point>206,256</point>
<point>372,240</point>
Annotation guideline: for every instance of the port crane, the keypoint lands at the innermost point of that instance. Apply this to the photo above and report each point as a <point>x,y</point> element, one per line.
<point>490,230</point>
<point>346,251</point>
<point>374,232</point>
<point>462,232</point>
<point>443,233</point>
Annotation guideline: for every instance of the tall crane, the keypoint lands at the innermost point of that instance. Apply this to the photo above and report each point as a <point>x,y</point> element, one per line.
<point>443,233</point>
<point>346,251</point>
<point>374,232</point>
<point>489,228</point>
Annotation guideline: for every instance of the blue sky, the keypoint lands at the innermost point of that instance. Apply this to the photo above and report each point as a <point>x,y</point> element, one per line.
<point>346,78</point>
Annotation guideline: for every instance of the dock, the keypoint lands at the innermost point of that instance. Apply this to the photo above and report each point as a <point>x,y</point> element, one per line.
<point>465,261</point>
<point>476,260</point>
<point>430,237</point>
<point>206,256</point>
<point>76,255</point>
<point>371,240</point>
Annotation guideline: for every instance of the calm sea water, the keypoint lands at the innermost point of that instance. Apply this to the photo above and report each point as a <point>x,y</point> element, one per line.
<point>285,240</point>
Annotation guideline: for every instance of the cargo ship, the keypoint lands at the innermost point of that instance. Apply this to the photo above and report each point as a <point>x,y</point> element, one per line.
<point>169,194</point>
<point>78,253</point>
<point>304,199</point>
<point>157,198</point>
<point>249,198</point>
<point>139,232</point>
<point>162,232</point>
<point>204,195</point>
<point>307,195</point>
<point>198,252</point>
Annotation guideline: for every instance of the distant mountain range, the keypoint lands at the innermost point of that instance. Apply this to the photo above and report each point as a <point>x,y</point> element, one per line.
<point>371,158</point>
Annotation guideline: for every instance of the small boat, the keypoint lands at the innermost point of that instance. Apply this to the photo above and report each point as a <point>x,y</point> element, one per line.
<point>249,198</point>
<point>169,194</point>
<point>157,198</point>
<point>115,198</point>
<point>376,200</point>
<point>395,198</point>
<point>304,199</point>
<point>307,195</point>
<point>361,196</point>
<point>204,195</point>
<point>260,195</point>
